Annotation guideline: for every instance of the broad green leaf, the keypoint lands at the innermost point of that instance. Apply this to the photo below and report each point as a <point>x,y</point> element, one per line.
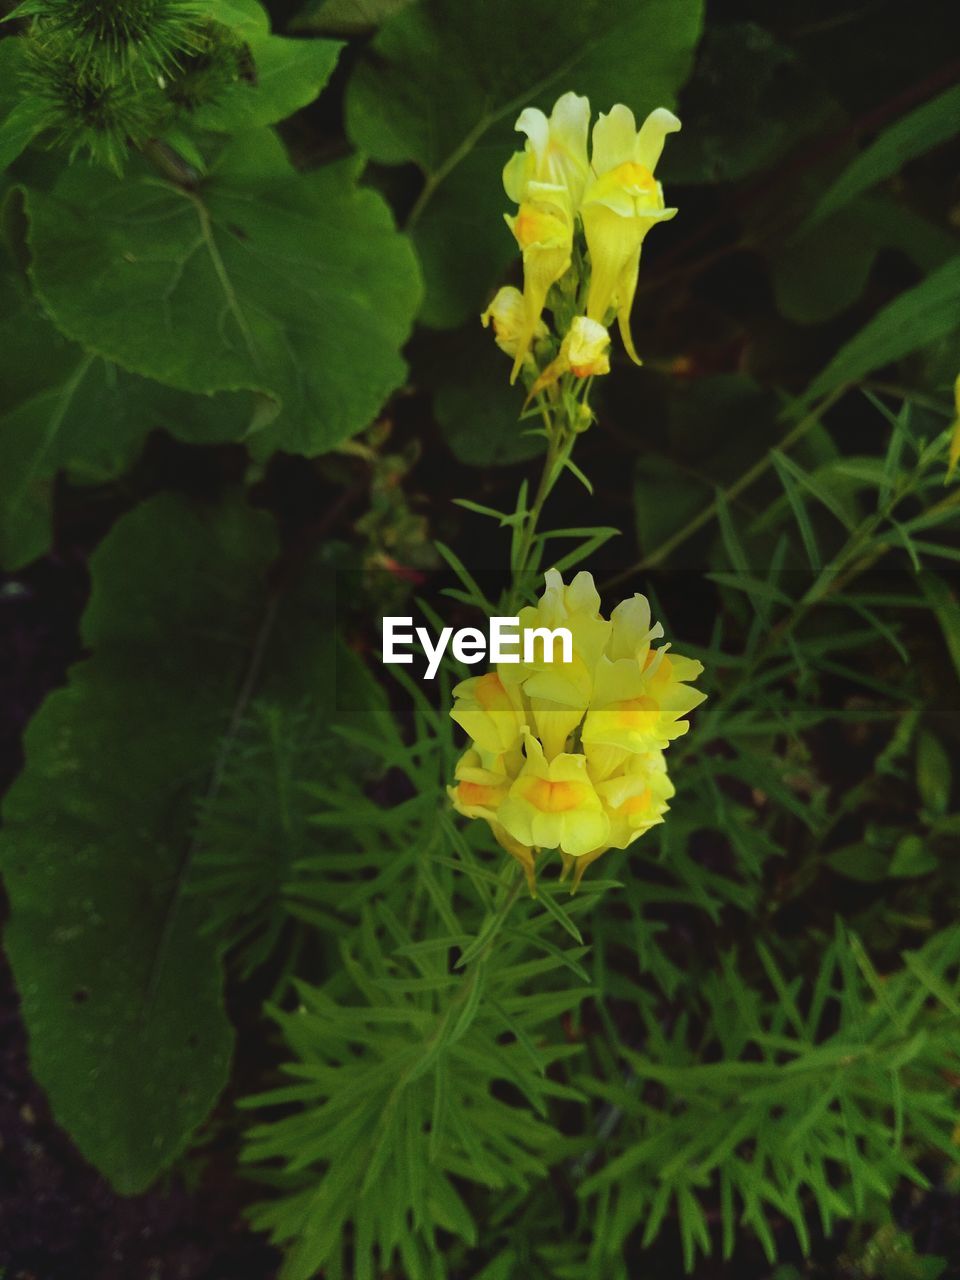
<point>118,971</point>
<point>858,862</point>
<point>477,409</point>
<point>920,131</point>
<point>247,18</point>
<point>912,858</point>
<point>443,83</point>
<point>260,279</point>
<point>346,17</point>
<point>63,409</point>
<point>916,318</point>
<point>287,75</point>
<point>665,498</point>
<point>20,117</point>
<point>120,992</point>
<point>823,270</point>
<point>893,225</point>
<point>19,129</point>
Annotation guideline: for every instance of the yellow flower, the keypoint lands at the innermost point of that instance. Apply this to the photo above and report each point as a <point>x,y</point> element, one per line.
<point>544,233</point>
<point>584,352</point>
<point>508,315</point>
<point>955,439</point>
<point>482,786</point>
<point>569,755</point>
<point>479,789</point>
<point>640,693</point>
<point>546,180</point>
<point>553,804</point>
<point>586,348</point>
<point>557,693</point>
<point>636,798</point>
<point>620,206</point>
<point>639,707</point>
<point>576,607</point>
<point>489,712</point>
<point>555,155</point>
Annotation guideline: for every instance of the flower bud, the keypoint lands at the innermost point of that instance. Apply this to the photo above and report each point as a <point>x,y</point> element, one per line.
<point>586,348</point>
<point>508,315</point>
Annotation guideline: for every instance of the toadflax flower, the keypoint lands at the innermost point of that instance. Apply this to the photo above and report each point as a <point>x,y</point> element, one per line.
<point>508,315</point>
<point>569,755</point>
<point>584,352</point>
<point>620,206</point>
<point>580,225</point>
<point>546,180</point>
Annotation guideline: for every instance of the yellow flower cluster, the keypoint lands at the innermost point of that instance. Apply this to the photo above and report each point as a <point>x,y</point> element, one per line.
<point>570,755</point>
<point>612,194</point>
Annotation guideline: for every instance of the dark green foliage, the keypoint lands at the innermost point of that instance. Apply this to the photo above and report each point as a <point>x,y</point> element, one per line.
<point>63,408</point>
<point>784,1101</point>
<point>740,1037</point>
<point>84,105</point>
<point>443,83</point>
<point>250,283</point>
<point>110,34</point>
<point>108,78</point>
<point>121,990</point>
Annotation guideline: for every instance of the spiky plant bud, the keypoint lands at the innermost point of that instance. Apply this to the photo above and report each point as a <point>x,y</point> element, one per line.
<point>109,38</point>
<point>86,109</point>
<point>217,61</point>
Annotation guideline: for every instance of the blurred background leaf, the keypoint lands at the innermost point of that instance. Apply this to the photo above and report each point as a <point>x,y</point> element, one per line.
<point>442,85</point>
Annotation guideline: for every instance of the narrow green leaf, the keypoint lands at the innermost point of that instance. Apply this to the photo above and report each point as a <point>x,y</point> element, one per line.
<point>546,897</point>
<point>918,317</point>
<point>924,128</point>
<point>946,607</point>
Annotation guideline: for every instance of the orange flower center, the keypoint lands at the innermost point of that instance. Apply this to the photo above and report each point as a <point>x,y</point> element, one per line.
<point>553,797</point>
<point>637,804</point>
<point>532,226</point>
<point>639,713</point>
<point>490,693</point>
<point>635,178</point>
<point>475,793</point>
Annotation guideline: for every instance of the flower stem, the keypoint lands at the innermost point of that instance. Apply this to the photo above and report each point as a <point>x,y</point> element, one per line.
<point>559,445</point>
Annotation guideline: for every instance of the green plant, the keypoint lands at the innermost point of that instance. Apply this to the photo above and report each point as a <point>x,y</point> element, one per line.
<point>739,1033</point>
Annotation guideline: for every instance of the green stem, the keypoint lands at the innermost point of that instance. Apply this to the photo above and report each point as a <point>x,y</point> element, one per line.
<point>547,480</point>
<point>491,926</point>
<point>560,440</point>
